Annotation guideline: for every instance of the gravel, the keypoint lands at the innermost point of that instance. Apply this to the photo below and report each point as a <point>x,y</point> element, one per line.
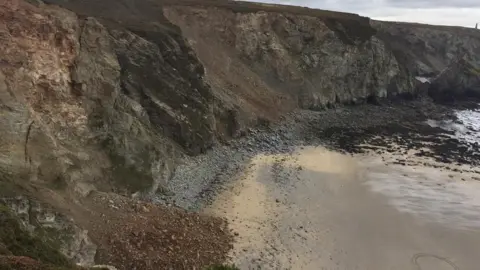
<point>197,179</point>
<point>131,234</point>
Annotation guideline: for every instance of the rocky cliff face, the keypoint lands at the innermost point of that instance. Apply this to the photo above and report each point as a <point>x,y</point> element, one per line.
<point>95,99</point>
<point>55,229</point>
<point>85,106</point>
<point>106,95</point>
<point>105,107</point>
<point>447,57</point>
<point>426,50</point>
<point>315,61</point>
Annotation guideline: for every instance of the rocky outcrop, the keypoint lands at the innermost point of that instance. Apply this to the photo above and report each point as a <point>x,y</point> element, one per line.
<point>459,80</point>
<point>426,50</point>
<point>107,95</point>
<point>95,99</point>
<point>315,61</point>
<point>444,60</point>
<point>53,228</point>
<point>99,100</point>
<point>85,106</point>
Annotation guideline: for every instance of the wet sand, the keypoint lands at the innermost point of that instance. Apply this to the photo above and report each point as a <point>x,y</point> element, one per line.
<point>318,209</point>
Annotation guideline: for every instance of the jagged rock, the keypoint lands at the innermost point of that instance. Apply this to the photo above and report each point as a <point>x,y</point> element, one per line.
<point>107,95</point>
<point>51,226</point>
<point>301,56</point>
<point>459,80</point>
<point>426,50</point>
<point>110,99</point>
<point>95,106</point>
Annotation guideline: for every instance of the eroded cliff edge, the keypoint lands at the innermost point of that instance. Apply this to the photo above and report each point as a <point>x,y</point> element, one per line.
<point>107,95</point>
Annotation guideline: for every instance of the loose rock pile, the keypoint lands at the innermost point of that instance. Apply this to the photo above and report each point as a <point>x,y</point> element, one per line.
<point>139,235</point>
<point>391,127</point>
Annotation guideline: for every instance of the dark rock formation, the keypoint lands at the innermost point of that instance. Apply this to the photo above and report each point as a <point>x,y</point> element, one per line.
<point>90,105</point>
<point>459,80</point>
<point>426,50</point>
<point>315,61</point>
<point>53,228</point>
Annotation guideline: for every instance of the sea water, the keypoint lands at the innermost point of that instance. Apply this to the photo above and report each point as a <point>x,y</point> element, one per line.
<point>466,127</point>
<point>434,194</point>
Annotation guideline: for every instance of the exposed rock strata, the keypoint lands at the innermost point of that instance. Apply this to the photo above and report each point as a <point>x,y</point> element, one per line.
<point>459,79</point>
<point>426,50</point>
<point>107,95</point>
<point>314,61</point>
<point>49,225</point>
<point>110,102</point>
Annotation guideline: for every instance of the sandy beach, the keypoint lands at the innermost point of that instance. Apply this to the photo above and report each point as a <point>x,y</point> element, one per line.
<point>364,188</point>
<point>319,209</point>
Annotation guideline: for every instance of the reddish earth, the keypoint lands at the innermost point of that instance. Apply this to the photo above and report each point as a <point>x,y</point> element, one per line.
<point>138,235</point>
<point>20,263</point>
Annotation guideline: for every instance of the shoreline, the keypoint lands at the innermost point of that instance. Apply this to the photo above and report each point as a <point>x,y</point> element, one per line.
<point>399,127</point>
<point>283,217</point>
<point>319,207</point>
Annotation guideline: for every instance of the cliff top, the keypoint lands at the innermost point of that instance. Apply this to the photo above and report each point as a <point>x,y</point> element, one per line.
<point>456,29</point>
<point>244,6</point>
<point>105,6</point>
<point>135,12</point>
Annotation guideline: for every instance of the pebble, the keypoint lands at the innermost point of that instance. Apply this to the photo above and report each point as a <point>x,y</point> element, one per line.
<point>196,181</point>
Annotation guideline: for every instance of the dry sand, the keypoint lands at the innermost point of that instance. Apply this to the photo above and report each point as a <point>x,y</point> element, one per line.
<point>319,209</point>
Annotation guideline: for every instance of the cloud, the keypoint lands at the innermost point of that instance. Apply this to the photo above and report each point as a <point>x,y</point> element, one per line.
<point>442,12</point>
<point>441,16</point>
<point>433,4</point>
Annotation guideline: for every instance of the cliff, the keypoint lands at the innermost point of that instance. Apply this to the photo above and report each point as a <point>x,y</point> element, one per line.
<point>314,61</point>
<point>107,95</point>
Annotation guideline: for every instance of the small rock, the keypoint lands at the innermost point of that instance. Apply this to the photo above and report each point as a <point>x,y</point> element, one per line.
<point>109,267</point>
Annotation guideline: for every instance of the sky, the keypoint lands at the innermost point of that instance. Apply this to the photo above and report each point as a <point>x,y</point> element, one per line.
<point>443,12</point>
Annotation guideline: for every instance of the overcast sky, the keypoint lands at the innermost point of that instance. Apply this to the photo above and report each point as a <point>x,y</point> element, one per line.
<point>446,12</point>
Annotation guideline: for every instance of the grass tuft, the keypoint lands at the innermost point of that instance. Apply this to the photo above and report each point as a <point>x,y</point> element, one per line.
<point>20,243</point>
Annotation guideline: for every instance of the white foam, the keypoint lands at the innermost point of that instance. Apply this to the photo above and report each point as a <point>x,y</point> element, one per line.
<point>466,127</point>
<point>429,193</point>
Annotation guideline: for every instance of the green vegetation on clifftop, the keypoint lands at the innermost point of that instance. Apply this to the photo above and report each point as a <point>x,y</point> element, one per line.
<point>15,241</point>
